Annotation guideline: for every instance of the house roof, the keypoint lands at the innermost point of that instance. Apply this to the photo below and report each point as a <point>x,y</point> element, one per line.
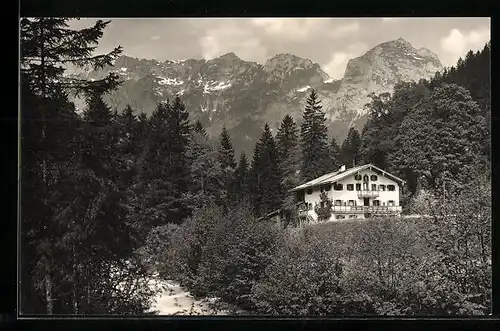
<point>338,175</point>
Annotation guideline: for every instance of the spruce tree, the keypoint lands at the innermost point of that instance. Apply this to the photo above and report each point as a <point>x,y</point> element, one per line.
<point>314,139</point>
<point>289,161</point>
<point>227,163</point>
<point>179,129</point>
<point>255,179</point>
<point>199,128</point>
<point>242,179</point>
<point>47,46</point>
<point>350,150</point>
<point>165,172</point>
<point>267,189</point>
<point>286,137</point>
<point>206,184</point>
<point>335,155</point>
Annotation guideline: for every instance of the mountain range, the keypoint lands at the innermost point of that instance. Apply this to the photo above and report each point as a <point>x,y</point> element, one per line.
<point>243,95</point>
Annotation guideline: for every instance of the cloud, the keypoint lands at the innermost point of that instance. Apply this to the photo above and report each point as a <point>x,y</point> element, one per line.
<point>344,29</point>
<point>336,66</point>
<point>243,42</point>
<point>303,29</point>
<point>457,43</point>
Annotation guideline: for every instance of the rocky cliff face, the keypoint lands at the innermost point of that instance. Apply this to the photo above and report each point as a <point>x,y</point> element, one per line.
<point>244,95</point>
<point>378,70</point>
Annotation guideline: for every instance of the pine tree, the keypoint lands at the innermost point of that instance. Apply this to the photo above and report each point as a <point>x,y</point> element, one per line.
<point>179,129</point>
<point>227,163</point>
<point>289,161</point>
<point>206,184</point>
<point>267,188</point>
<point>47,46</point>
<point>314,139</point>
<point>226,151</point>
<point>335,155</point>
<point>198,127</point>
<point>241,185</point>
<point>165,172</point>
<point>286,137</point>
<point>255,178</point>
<point>350,150</point>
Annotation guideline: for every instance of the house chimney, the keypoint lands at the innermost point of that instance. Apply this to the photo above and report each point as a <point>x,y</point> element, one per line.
<point>342,168</point>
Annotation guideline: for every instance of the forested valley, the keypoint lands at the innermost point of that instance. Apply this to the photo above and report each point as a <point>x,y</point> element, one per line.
<point>111,196</point>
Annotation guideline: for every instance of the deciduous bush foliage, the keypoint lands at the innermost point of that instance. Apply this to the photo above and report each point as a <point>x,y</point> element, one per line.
<point>395,266</point>
<point>221,254</point>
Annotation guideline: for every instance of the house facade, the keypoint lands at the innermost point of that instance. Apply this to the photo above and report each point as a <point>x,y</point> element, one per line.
<point>356,193</point>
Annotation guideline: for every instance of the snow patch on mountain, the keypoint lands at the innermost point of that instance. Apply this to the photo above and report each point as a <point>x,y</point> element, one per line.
<point>303,89</point>
<point>216,86</point>
<point>330,80</point>
<point>170,81</point>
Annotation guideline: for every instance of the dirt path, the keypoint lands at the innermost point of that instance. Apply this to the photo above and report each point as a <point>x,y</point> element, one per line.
<point>174,300</point>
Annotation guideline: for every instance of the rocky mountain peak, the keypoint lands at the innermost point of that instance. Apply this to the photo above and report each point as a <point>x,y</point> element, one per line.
<point>243,95</point>
<point>379,69</point>
<point>231,56</point>
<point>287,62</point>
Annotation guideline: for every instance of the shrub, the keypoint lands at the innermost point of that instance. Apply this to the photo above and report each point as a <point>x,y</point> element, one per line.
<point>221,255</point>
<point>302,279</point>
<point>324,212</point>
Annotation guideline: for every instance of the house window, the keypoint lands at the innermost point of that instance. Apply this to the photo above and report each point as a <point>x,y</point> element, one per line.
<point>338,202</point>
<point>365,178</point>
<point>340,217</point>
<point>328,187</point>
<point>383,203</point>
<point>390,203</point>
<point>351,202</point>
<point>381,187</point>
<point>350,187</point>
<point>358,187</point>
<point>338,187</point>
<point>376,202</point>
<point>391,188</point>
<point>374,187</point>
<point>357,177</point>
<point>373,178</point>
<point>309,191</point>
<point>353,216</point>
<point>365,186</point>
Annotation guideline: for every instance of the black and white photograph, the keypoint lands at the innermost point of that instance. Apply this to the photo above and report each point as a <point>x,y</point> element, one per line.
<point>282,167</point>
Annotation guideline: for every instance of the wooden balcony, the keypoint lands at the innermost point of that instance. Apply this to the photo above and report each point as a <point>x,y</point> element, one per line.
<point>368,194</point>
<point>368,209</point>
<point>377,210</point>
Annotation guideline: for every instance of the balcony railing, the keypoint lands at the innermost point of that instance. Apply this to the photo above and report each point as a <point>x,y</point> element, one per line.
<point>368,194</point>
<point>360,209</point>
<point>368,209</point>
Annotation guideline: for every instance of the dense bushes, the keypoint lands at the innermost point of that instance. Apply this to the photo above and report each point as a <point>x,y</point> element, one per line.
<point>396,266</point>
<point>221,254</point>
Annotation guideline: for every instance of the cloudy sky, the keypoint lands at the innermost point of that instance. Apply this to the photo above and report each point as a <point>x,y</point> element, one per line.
<point>331,42</point>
